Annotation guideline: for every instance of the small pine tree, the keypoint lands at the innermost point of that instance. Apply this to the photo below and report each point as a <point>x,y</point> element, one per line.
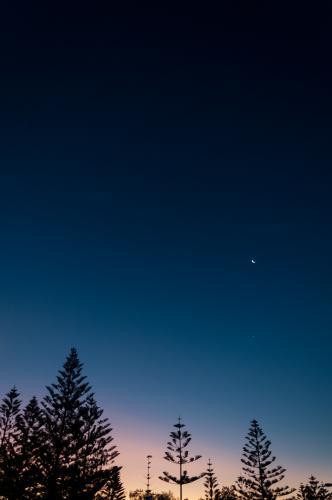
<point>177,454</point>
<point>113,489</point>
<point>76,454</point>
<point>9,411</point>
<point>259,479</point>
<point>212,491</point>
<point>314,490</point>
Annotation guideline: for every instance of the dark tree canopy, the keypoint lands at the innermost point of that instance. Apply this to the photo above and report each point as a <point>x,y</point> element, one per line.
<point>177,453</point>
<point>29,444</point>
<point>314,490</point>
<point>260,478</point>
<point>76,453</point>
<point>140,494</point>
<point>9,411</point>
<point>137,494</point>
<point>228,493</point>
<point>164,495</point>
<point>113,489</point>
<point>62,450</point>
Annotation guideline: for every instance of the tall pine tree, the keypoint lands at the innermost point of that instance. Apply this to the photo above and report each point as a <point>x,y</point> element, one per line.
<point>177,454</point>
<point>212,491</point>
<point>76,456</point>
<point>259,480</point>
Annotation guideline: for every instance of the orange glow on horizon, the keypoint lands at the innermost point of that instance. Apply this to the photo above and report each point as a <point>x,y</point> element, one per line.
<point>135,442</point>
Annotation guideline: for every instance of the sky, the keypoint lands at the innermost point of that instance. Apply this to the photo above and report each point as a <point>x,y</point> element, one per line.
<point>147,154</point>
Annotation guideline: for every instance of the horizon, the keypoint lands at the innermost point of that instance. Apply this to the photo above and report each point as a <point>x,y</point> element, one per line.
<point>152,437</point>
<point>165,207</point>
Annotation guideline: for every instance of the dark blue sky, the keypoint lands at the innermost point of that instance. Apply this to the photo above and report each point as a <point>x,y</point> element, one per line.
<point>147,154</point>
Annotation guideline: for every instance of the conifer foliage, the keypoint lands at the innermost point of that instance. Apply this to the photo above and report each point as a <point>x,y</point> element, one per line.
<point>76,453</point>
<point>178,454</point>
<point>29,444</point>
<point>228,493</point>
<point>61,449</point>
<point>212,491</point>
<point>260,477</point>
<point>9,410</point>
<point>113,489</point>
<point>314,490</point>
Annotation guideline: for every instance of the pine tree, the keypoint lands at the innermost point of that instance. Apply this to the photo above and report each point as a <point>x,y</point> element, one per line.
<point>314,490</point>
<point>177,454</point>
<point>29,443</point>
<point>96,454</point>
<point>113,489</point>
<point>212,491</point>
<point>76,455</point>
<point>259,479</point>
<point>9,411</point>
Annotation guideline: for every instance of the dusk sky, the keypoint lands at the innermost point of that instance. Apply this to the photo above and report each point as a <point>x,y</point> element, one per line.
<point>148,153</point>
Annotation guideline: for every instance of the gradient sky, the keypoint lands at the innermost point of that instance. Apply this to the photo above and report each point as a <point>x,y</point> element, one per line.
<point>147,154</point>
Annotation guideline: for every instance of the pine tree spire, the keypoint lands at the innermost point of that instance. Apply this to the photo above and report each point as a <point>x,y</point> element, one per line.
<point>259,480</point>
<point>148,492</point>
<point>177,454</point>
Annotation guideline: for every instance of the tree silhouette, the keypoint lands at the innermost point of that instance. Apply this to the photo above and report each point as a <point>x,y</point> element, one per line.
<point>177,454</point>
<point>76,454</point>
<point>164,495</point>
<point>112,489</point>
<point>259,479</point>
<point>137,494</point>
<point>314,490</point>
<point>9,410</point>
<point>29,443</point>
<point>212,491</point>
<point>228,493</point>
<point>140,495</point>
